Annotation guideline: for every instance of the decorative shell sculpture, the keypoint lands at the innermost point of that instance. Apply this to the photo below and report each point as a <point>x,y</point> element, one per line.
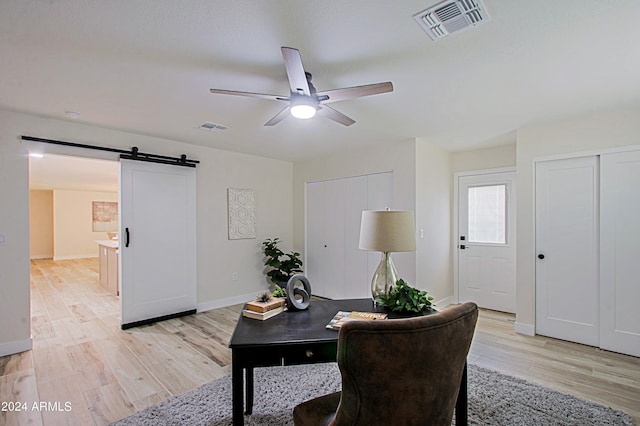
<point>265,296</point>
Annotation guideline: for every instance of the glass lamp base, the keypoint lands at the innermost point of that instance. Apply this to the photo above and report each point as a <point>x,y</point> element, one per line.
<point>384,277</point>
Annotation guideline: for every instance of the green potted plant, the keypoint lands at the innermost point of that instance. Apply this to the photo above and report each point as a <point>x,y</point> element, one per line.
<point>282,266</point>
<point>404,298</point>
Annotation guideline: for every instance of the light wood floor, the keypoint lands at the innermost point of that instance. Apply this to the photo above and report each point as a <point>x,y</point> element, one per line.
<point>83,363</point>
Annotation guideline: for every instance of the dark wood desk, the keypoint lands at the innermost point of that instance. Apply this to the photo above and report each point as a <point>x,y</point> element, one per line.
<point>296,337</point>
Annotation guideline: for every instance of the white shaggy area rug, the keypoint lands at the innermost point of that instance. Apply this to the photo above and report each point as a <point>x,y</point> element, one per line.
<point>494,399</point>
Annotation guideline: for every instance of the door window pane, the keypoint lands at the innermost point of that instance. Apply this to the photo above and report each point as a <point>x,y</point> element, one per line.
<point>487,214</point>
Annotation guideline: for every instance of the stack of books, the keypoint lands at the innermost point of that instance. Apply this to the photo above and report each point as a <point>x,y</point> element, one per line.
<point>264,310</point>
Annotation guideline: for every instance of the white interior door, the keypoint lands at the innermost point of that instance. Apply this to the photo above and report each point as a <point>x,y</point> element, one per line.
<point>567,226</point>
<point>157,241</point>
<point>620,252</point>
<point>487,240</point>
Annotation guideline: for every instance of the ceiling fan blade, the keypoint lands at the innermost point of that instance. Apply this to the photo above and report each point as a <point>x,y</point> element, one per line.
<point>295,71</point>
<point>356,92</point>
<point>330,113</point>
<point>250,94</point>
<point>278,117</point>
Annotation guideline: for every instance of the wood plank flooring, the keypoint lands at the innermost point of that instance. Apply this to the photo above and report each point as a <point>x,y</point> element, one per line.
<point>92,373</point>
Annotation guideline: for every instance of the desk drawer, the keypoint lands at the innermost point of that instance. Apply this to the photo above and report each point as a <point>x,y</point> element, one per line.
<point>309,353</point>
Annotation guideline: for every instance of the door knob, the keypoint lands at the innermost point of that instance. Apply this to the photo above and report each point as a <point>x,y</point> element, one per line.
<point>541,256</point>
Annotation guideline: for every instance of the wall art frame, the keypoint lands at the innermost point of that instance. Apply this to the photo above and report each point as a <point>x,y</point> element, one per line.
<point>242,213</point>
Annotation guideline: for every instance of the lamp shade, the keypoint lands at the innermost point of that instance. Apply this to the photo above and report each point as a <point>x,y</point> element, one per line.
<point>387,231</point>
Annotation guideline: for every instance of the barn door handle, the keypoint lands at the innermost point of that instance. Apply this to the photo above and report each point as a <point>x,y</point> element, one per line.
<point>126,232</point>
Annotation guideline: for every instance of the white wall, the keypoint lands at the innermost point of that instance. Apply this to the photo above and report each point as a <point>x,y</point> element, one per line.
<point>433,216</point>
<point>586,134</point>
<point>41,224</point>
<point>218,257</point>
<point>398,157</point>
<point>73,236</point>
<point>486,158</point>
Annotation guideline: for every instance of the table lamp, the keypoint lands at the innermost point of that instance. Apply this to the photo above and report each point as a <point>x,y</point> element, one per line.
<point>386,231</point>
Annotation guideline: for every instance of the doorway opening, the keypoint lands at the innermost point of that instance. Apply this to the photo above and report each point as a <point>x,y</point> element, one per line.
<point>66,292</point>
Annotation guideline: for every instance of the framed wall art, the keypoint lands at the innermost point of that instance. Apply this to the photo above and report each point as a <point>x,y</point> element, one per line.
<point>105,216</point>
<point>242,213</point>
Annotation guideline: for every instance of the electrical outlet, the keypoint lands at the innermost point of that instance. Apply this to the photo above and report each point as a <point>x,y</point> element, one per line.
<point>234,276</point>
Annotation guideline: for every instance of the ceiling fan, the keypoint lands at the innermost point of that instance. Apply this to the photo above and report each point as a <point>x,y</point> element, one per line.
<point>304,101</point>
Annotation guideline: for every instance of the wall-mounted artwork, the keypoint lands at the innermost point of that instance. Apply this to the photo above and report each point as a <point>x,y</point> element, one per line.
<point>242,213</point>
<point>105,216</point>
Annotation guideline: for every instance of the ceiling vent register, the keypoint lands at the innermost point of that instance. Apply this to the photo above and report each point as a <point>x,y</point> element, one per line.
<point>213,127</point>
<point>451,16</point>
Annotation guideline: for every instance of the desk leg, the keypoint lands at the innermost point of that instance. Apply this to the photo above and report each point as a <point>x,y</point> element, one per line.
<point>249,390</point>
<point>237,389</point>
<point>461,403</point>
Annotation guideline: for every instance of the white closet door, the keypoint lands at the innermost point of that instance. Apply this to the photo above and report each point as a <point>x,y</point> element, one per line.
<point>620,252</point>
<point>335,244</point>
<point>380,197</point>
<point>567,223</point>
<point>356,284</point>
<point>315,239</point>
<point>334,264</point>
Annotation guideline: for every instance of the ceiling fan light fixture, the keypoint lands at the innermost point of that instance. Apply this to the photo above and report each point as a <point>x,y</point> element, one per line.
<point>303,107</point>
<point>303,111</point>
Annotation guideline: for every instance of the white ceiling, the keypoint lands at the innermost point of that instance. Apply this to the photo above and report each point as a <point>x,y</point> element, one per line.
<point>145,66</point>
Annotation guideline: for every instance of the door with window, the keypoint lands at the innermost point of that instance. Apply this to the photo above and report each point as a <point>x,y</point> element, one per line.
<point>487,240</point>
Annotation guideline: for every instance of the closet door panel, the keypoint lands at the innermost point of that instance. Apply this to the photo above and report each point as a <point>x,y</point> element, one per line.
<point>620,252</point>
<point>379,197</point>
<point>567,291</point>
<point>379,191</point>
<point>335,250</point>
<point>356,282</point>
<point>315,238</point>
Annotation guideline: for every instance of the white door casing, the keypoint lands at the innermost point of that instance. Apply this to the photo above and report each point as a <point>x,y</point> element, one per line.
<point>567,245</point>
<point>620,252</point>
<point>486,240</point>
<point>157,240</point>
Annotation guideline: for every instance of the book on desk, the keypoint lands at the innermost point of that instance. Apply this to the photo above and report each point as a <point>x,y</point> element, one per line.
<point>262,315</point>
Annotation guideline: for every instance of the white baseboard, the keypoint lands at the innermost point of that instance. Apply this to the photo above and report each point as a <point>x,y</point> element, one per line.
<point>42,256</point>
<point>443,303</point>
<point>75,256</point>
<point>17,346</point>
<point>526,329</point>
<point>228,301</point>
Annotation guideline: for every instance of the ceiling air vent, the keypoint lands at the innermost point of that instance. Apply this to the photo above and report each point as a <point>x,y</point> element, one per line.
<point>451,16</point>
<point>212,127</point>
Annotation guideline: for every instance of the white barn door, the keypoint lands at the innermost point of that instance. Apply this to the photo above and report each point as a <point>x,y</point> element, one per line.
<point>620,253</point>
<point>157,241</point>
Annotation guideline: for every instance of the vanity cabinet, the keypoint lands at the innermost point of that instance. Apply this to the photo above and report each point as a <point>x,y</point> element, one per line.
<point>108,254</point>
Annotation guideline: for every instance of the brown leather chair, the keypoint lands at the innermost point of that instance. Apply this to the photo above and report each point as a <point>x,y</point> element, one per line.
<point>397,372</point>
